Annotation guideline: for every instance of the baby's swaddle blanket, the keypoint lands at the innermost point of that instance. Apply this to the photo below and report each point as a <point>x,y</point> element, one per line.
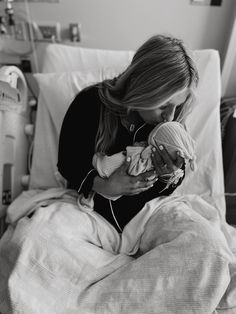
<point>172,135</point>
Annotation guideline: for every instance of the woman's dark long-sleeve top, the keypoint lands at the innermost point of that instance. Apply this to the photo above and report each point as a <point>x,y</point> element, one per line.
<point>76,150</point>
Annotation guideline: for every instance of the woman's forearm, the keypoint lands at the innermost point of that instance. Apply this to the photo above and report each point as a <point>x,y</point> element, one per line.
<point>98,184</point>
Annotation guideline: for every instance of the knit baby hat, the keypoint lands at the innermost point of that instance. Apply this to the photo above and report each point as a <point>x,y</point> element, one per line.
<point>173,136</point>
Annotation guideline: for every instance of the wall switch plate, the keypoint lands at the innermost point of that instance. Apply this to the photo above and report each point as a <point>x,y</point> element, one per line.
<point>48,31</point>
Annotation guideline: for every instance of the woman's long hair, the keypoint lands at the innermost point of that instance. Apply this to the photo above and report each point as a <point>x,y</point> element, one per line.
<point>160,68</point>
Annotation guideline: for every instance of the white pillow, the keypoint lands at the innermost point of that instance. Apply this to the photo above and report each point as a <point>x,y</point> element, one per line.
<point>58,89</point>
<point>56,92</point>
<point>63,58</point>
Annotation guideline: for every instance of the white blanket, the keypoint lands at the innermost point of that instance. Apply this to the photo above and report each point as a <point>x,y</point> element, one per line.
<point>176,256</point>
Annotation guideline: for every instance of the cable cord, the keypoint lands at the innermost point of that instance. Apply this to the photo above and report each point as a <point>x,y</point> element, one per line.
<point>113,214</point>
<point>137,131</point>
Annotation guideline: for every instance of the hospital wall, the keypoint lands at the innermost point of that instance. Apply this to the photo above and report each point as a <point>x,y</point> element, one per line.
<point>125,24</point>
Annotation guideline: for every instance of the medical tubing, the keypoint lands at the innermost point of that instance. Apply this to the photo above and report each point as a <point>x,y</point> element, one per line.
<point>85,179</point>
<point>113,214</point>
<point>135,133</point>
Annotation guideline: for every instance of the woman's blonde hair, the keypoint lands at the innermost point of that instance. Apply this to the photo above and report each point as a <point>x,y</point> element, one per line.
<point>161,67</point>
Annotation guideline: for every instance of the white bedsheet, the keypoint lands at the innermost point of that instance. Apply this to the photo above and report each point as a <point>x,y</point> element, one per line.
<point>66,260</point>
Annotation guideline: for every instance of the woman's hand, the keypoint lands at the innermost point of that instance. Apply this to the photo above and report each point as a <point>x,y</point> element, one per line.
<point>121,183</point>
<point>163,162</point>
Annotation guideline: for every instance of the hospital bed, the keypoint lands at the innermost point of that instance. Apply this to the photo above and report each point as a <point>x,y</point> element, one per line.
<point>63,71</point>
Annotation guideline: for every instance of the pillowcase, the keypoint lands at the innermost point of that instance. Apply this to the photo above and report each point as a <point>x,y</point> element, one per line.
<point>64,58</point>
<point>57,90</point>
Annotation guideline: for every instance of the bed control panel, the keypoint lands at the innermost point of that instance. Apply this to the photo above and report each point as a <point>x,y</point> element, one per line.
<point>14,117</point>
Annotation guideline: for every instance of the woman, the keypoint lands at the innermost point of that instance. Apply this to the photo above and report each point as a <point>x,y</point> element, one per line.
<point>157,86</point>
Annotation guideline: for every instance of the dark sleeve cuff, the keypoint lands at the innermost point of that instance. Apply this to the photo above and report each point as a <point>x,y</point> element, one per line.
<point>87,183</point>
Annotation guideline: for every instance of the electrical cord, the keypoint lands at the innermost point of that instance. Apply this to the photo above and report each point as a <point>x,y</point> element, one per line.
<point>114,217</point>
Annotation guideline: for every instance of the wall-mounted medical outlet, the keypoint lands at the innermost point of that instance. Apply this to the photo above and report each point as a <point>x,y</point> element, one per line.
<point>48,31</point>
<point>207,2</point>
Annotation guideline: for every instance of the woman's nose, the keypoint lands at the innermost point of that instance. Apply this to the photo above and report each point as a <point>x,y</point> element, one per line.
<point>169,114</point>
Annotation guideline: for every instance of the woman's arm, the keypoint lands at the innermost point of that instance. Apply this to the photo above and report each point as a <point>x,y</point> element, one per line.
<point>77,140</point>
<point>76,151</point>
<point>121,183</point>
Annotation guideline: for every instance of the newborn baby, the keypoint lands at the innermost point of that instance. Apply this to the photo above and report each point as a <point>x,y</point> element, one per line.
<point>171,135</point>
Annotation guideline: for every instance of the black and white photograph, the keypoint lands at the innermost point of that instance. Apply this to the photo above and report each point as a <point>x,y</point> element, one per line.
<point>117,157</point>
